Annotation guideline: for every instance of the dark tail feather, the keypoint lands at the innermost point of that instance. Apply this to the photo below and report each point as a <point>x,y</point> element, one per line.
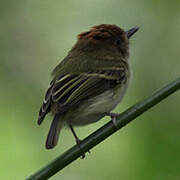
<point>54,131</point>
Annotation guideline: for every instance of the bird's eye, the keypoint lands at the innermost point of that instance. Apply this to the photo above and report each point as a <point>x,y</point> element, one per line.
<point>118,42</point>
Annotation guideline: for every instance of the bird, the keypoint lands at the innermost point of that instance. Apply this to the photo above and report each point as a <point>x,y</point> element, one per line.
<point>89,82</point>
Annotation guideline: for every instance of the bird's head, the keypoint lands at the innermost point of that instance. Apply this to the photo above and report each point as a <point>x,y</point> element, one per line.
<point>106,41</point>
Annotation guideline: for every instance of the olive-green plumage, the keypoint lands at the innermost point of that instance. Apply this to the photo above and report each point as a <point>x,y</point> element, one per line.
<point>90,81</point>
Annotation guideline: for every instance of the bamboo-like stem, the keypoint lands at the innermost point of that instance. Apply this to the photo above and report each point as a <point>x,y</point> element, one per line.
<point>105,131</point>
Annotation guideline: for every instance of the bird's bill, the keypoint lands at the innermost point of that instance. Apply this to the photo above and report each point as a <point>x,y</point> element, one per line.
<point>131,31</point>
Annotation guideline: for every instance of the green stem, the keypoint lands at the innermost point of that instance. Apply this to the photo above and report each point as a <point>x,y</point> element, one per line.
<point>104,132</point>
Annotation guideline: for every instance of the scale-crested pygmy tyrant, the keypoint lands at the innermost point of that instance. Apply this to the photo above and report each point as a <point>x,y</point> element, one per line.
<point>90,81</point>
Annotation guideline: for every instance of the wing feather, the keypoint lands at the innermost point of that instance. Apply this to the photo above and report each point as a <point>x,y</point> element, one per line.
<point>71,89</point>
<point>87,85</point>
<point>45,108</point>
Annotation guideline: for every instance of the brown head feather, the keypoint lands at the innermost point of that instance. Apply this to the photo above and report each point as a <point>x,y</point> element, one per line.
<point>103,31</point>
<point>105,39</point>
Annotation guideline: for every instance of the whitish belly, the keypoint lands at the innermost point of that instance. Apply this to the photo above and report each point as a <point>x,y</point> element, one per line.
<point>94,109</point>
<point>107,101</point>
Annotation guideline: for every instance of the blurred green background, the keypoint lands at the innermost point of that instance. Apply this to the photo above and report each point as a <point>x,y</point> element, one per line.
<point>36,35</point>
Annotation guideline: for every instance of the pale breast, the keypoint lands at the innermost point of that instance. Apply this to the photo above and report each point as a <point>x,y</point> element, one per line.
<point>95,108</point>
<point>108,100</point>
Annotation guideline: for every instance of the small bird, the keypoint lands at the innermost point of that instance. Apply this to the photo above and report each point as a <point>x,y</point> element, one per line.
<point>89,82</point>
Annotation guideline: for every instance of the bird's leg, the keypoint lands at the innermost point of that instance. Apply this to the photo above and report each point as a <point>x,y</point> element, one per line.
<point>78,141</point>
<point>113,118</point>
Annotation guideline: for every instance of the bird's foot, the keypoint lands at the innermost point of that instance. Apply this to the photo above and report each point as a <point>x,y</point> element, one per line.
<point>78,142</point>
<point>113,118</point>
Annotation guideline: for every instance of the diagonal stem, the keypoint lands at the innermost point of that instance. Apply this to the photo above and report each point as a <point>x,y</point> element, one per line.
<point>105,131</point>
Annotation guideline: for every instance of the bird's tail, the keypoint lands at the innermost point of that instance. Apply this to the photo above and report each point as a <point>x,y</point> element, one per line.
<point>54,131</point>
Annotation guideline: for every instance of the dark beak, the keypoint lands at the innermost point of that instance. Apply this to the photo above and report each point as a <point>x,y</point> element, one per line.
<point>132,31</point>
